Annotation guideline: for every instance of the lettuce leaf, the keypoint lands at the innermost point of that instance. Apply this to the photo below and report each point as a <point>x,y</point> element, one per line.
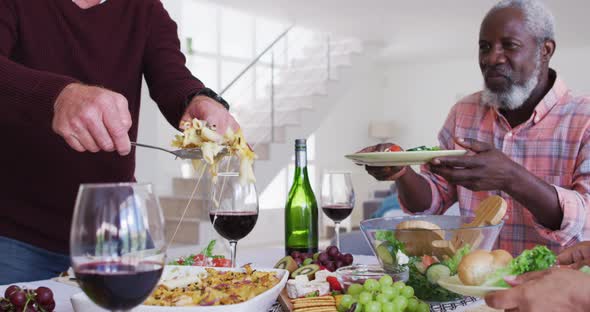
<point>453,262</point>
<point>536,259</point>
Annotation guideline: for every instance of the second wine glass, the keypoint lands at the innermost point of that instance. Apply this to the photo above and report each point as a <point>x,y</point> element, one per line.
<point>233,208</point>
<point>337,198</point>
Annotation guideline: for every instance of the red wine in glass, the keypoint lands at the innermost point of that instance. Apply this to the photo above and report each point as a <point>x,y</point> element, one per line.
<point>117,286</point>
<point>337,212</point>
<point>233,225</point>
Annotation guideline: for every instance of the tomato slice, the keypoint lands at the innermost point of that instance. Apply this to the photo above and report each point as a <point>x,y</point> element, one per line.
<point>222,262</point>
<point>394,148</point>
<point>428,261</point>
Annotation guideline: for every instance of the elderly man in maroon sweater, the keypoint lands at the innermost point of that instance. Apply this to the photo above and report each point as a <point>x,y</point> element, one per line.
<point>70,85</point>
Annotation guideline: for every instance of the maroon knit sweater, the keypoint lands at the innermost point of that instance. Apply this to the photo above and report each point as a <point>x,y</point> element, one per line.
<point>47,44</point>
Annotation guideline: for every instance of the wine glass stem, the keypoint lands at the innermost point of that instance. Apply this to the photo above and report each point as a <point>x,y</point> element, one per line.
<point>232,247</point>
<point>337,229</point>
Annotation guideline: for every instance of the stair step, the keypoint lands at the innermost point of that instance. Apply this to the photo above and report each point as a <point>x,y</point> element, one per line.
<point>262,134</point>
<point>188,233</point>
<point>262,150</point>
<point>320,60</point>
<point>281,118</point>
<point>306,74</point>
<point>173,206</point>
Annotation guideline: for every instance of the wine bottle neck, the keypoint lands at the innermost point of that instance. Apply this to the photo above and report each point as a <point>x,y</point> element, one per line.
<point>300,159</point>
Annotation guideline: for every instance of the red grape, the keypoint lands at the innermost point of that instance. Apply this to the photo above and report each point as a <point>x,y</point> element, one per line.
<point>18,298</point>
<point>332,252</point>
<point>43,295</point>
<point>295,255</point>
<point>323,258</point>
<point>348,259</point>
<point>10,290</point>
<point>331,266</point>
<point>49,307</point>
<point>298,261</point>
<point>339,264</point>
<point>4,305</point>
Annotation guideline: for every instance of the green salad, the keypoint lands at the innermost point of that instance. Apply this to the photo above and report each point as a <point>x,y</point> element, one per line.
<point>425,272</point>
<point>424,148</point>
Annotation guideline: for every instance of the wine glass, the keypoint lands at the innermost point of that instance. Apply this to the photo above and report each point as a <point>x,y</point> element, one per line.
<point>117,243</point>
<point>233,208</point>
<point>337,198</point>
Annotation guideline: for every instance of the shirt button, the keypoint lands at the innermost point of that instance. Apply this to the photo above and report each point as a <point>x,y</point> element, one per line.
<point>536,119</point>
<point>509,134</point>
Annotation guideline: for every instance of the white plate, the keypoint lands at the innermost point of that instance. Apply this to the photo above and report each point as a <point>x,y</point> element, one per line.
<point>455,285</point>
<point>262,302</point>
<point>384,159</point>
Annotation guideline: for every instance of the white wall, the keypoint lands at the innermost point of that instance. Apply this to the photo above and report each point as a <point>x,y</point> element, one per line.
<point>419,95</point>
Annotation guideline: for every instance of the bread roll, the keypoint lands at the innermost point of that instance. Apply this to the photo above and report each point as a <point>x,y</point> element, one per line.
<point>475,267</point>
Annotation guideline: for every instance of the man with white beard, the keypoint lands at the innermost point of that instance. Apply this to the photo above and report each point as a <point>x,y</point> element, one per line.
<point>527,137</point>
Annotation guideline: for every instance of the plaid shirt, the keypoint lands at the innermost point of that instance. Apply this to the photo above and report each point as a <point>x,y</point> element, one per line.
<point>553,145</point>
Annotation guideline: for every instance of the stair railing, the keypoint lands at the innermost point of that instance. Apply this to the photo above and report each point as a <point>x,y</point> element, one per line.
<point>286,52</point>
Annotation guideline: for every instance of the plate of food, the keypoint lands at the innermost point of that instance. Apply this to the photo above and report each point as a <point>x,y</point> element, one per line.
<point>481,272</point>
<point>206,289</point>
<point>395,156</point>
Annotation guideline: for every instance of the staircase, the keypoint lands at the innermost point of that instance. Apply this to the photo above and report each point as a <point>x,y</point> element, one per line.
<point>283,91</point>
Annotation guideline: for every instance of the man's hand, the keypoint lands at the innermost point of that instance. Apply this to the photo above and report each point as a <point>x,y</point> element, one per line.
<point>575,256</point>
<point>381,173</point>
<point>488,169</point>
<point>549,290</point>
<point>92,119</point>
<point>207,109</point>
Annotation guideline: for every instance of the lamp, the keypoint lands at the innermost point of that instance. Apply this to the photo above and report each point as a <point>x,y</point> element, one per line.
<point>382,130</point>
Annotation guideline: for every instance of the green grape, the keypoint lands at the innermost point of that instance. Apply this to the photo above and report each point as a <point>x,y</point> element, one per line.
<point>423,307</point>
<point>359,307</point>
<point>346,301</point>
<point>388,307</point>
<point>355,289</point>
<point>381,298</point>
<point>407,292</point>
<point>401,303</point>
<point>373,306</point>
<point>399,285</point>
<point>413,305</point>
<point>371,285</point>
<point>365,297</point>
<point>389,291</point>
<point>341,308</point>
<point>386,280</point>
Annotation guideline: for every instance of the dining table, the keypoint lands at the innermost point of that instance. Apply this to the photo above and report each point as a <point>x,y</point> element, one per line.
<point>259,257</point>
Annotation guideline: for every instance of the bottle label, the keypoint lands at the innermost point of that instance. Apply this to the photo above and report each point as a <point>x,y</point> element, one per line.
<point>301,158</point>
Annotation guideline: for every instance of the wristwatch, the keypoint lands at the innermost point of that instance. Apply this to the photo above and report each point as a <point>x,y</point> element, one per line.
<point>210,94</point>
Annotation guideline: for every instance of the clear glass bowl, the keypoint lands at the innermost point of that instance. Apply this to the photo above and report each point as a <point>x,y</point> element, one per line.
<point>441,242</point>
<point>359,273</point>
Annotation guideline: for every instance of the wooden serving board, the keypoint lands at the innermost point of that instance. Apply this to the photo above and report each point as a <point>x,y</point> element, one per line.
<point>285,301</point>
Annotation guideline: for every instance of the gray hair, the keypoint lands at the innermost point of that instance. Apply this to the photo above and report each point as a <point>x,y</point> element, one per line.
<point>539,20</point>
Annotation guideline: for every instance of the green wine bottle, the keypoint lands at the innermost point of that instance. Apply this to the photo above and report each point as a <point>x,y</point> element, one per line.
<point>301,211</point>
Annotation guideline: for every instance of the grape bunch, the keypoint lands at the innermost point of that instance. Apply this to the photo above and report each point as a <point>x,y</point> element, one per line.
<point>381,296</point>
<point>18,299</point>
<point>330,259</point>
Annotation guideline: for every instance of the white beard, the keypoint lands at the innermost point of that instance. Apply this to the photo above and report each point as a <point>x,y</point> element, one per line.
<point>515,97</point>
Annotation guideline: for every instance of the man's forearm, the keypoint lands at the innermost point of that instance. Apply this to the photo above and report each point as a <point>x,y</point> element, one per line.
<point>414,191</point>
<point>539,197</point>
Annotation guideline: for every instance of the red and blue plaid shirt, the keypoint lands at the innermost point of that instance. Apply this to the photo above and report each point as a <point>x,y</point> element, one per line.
<point>554,145</point>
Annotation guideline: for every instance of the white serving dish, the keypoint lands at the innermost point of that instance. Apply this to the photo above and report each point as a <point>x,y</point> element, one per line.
<point>262,302</point>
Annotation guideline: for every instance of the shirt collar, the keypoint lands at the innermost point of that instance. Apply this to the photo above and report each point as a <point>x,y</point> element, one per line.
<point>552,98</point>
